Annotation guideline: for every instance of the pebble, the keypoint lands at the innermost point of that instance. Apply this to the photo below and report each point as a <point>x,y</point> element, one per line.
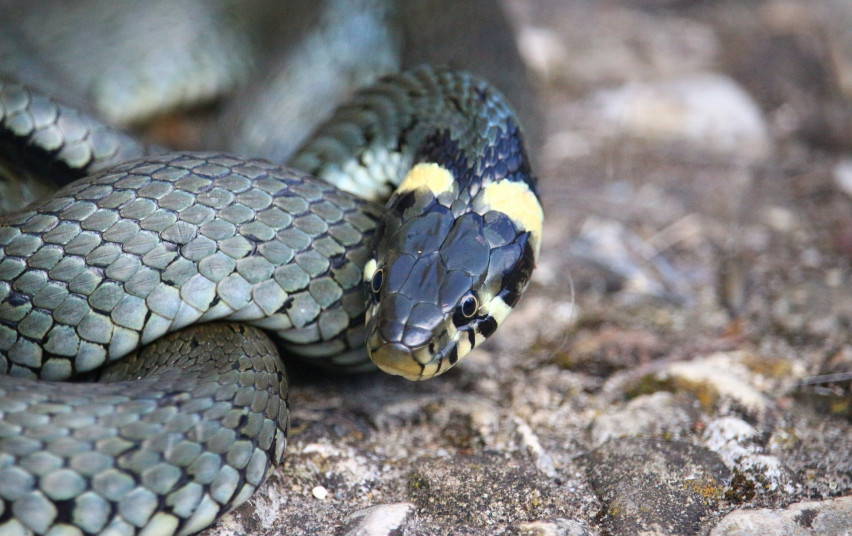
<point>739,445</point>
<point>381,520</point>
<point>655,487</point>
<point>557,527</point>
<point>657,414</point>
<point>829,517</point>
<point>719,376</point>
<point>842,174</point>
<point>709,112</point>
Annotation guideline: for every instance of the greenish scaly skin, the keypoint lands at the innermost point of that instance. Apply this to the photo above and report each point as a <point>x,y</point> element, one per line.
<point>199,434</point>
<point>119,259</point>
<point>137,255</point>
<point>51,144</point>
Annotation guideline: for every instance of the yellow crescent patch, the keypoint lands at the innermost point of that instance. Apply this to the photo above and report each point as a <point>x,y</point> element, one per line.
<point>427,175</point>
<point>517,201</point>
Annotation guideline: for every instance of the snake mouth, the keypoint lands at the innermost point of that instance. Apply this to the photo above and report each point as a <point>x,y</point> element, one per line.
<point>400,360</point>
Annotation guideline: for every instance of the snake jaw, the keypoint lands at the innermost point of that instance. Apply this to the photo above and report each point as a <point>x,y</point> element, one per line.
<point>389,349</point>
<point>414,364</point>
<point>396,359</point>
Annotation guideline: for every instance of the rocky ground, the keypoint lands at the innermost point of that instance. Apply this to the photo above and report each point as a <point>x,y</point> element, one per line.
<point>669,370</point>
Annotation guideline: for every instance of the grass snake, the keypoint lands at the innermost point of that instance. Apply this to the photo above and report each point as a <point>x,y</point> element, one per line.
<point>164,277</point>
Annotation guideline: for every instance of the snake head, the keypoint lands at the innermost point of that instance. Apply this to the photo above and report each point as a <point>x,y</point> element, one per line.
<point>447,272</point>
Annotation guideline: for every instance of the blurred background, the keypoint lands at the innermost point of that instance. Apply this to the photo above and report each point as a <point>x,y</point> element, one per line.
<point>695,164</point>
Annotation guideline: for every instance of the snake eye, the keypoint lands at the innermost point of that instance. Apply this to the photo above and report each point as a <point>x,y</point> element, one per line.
<point>469,306</point>
<point>466,310</point>
<point>376,283</point>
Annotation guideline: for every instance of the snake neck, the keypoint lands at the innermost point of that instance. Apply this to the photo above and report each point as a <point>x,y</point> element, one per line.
<point>425,114</point>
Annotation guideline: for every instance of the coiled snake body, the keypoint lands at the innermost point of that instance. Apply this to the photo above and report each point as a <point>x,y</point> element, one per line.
<point>146,254</point>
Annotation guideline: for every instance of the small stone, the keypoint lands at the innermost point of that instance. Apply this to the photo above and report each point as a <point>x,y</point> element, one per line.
<point>720,376</point>
<point>672,486</point>
<point>381,520</point>
<point>738,444</point>
<point>818,517</point>
<point>319,492</point>
<point>842,174</point>
<point>557,527</point>
<point>659,414</point>
<point>706,111</point>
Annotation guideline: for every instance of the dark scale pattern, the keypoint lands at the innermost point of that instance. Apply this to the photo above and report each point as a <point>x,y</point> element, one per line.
<point>506,158</point>
<point>442,149</point>
<point>515,276</point>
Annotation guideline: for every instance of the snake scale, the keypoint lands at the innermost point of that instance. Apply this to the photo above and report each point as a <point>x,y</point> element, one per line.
<point>164,277</point>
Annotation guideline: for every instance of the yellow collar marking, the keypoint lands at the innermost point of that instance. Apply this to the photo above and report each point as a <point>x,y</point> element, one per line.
<point>427,175</point>
<point>518,202</point>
